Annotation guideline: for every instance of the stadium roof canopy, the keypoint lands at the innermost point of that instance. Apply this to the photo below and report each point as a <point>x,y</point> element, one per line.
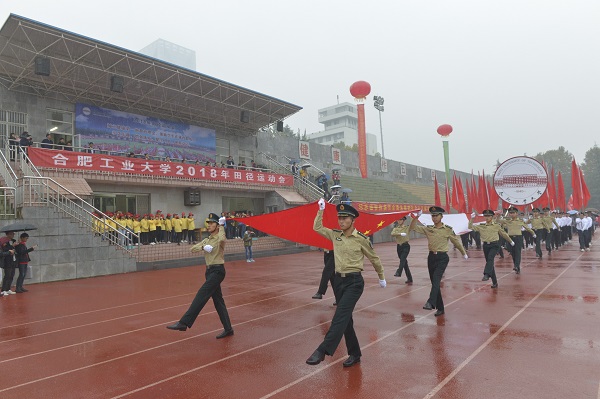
<point>82,70</point>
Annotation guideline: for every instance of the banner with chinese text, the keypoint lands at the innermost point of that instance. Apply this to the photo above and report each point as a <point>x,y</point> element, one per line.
<point>381,207</point>
<point>303,150</point>
<point>115,164</point>
<point>336,156</point>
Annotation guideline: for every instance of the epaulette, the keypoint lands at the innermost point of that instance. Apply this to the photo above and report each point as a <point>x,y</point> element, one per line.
<point>429,225</point>
<point>362,235</point>
<point>336,230</point>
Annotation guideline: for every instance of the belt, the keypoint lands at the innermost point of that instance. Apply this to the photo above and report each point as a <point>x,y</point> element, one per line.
<point>347,274</point>
<point>209,266</point>
<point>437,252</point>
<point>490,242</point>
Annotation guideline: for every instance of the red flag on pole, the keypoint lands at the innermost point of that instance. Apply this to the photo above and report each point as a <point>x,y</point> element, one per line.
<point>447,196</point>
<point>561,202</point>
<point>437,200</point>
<point>461,197</point>
<point>473,194</point>
<point>469,197</point>
<point>576,184</point>
<point>493,195</point>
<point>585,193</point>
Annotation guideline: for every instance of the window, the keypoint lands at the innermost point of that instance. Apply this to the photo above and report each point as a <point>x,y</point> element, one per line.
<point>60,124</point>
<point>403,169</point>
<point>432,174</point>
<point>12,122</point>
<point>222,146</point>
<point>419,172</point>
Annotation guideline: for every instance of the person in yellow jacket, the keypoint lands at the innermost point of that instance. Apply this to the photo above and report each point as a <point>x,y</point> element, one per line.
<point>129,227</point>
<point>145,229</point>
<point>177,229</point>
<point>137,229</point>
<point>111,228</point>
<point>160,229</point>
<point>184,227</point>
<point>191,225</point>
<point>169,228</point>
<point>152,229</point>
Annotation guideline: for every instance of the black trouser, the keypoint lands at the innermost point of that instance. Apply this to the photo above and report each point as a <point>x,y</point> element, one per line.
<point>328,272</point>
<point>403,250</point>
<point>436,264</point>
<point>22,274</point>
<point>477,238</point>
<point>549,236</point>
<point>539,233</point>
<point>490,249</point>
<point>555,238</point>
<point>9,275</point>
<point>516,251</point>
<point>581,235</point>
<point>211,288</point>
<point>588,236</point>
<point>347,291</point>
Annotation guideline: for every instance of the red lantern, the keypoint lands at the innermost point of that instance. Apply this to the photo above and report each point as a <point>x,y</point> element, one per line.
<point>360,89</point>
<point>444,130</point>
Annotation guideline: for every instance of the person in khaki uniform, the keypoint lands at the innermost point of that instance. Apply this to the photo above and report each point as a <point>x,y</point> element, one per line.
<point>549,220</point>
<point>539,226</point>
<point>514,227</point>
<point>437,261</point>
<point>490,233</point>
<point>213,247</point>
<point>401,234</point>
<point>350,248</point>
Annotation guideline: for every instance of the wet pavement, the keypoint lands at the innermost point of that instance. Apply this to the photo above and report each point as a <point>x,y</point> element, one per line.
<point>536,336</point>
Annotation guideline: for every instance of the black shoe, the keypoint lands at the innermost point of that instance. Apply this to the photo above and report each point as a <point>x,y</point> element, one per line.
<point>178,326</point>
<point>225,333</point>
<point>439,313</point>
<point>351,360</point>
<point>397,274</point>
<point>518,272</point>
<point>485,277</point>
<point>316,358</point>
<point>408,282</point>
<point>515,268</point>
<point>22,290</point>
<point>494,285</point>
<point>318,295</point>
<point>428,306</point>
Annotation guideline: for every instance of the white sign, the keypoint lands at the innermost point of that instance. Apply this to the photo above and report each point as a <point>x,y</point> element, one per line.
<point>520,180</point>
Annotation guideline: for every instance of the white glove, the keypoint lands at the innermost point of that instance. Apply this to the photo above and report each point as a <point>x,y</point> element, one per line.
<point>403,234</point>
<point>466,256</point>
<point>382,283</point>
<point>473,215</point>
<point>512,243</point>
<point>321,204</point>
<point>208,248</point>
<point>534,236</point>
<point>222,220</point>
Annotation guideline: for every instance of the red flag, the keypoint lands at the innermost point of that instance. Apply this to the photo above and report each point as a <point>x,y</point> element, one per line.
<point>437,200</point>
<point>585,193</point>
<point>469,197</point>
<point>570,203</point>
<point>457,203</point>
<point>483,198</point>
<point>447,196</point>
<point>493,195</point>
<point>561,202</point>
<point>576,184</point>
<point>474,194</point>
<point>461,197</point>
<point>551,190</point>
<point>296,224</point>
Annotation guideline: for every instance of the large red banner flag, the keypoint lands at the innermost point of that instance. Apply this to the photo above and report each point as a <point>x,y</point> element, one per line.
<point>561,202</point>
<point>447,193</point>
<point>436,198</point>
<point>576,184</point>
<point>585,193</point>
<point>296,224</point>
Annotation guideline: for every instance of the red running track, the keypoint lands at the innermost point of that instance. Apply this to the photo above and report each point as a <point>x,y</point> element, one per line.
<point>536,336</point>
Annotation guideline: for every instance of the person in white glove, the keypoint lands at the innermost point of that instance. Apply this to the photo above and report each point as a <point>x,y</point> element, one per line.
<point>490,233</point>
<point>350,247</point>
<point>213,247</point>
<point>515,227</point>
<point>437,261</point>
<point>401,234</point>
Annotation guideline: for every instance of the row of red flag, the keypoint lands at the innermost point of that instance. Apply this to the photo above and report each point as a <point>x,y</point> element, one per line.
<point>480,194</point>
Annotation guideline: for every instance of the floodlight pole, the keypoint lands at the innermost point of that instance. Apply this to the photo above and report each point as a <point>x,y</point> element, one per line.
<point>379,107</point>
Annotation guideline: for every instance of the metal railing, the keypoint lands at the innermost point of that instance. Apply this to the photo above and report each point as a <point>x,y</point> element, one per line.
<point>305,187</point>
<point>8,193</point>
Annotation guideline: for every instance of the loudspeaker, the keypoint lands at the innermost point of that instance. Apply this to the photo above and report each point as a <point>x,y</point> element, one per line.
<point>116,84</point>
<point>245,117</point>
<point>42,66</point>
<point>280,126</point>
<point>191,197</point>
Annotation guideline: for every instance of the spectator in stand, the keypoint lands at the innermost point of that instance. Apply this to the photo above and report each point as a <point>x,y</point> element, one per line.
<point>230,163</point>
<point>345,199</point>
<point>303,174</point>
<point>90,148</point>
<point>335,176</point>
<point>254,166</point>
<point>295,169</point>
<point>24,142</point>
<point>47,143</point>
<point>69,146</point>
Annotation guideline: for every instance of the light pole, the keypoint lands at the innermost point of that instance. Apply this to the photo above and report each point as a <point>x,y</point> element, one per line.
<point>379,107</point>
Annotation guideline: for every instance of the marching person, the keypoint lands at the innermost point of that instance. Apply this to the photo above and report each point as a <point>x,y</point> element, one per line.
<point>490,235</point>
<point>514,227</point>
<point>539,226</point>
<point>350,248</point>
<point>328,274</point>
<point>551,223</point>
<point>437,261</point>
<point>401,234</point>
<point>214,248</point>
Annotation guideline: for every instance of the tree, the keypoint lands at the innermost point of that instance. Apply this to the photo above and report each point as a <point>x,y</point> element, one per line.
<point>560,160</point>
<point>591,172</point>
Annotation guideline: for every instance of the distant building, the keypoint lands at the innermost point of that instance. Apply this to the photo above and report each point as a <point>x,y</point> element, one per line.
<point>172,53</point>
<point>341,124</point>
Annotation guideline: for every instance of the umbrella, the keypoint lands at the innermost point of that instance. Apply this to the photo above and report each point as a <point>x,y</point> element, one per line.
<point>346,190</point>
<point>335,187</point>
<point>18,227</point>
<point>335,169</point>
<point>306,166</point>
<point>573,212</point>
<point>594,210</point>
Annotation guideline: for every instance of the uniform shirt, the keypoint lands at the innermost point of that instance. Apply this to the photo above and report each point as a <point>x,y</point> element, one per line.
<point>515,227</point>
<point>397,231</point>
<point>438,237</point>
<point>550,221</point>
<point>489,232</point>
<point>217,241</point>
<point>191,224</point>
<point>538,223</point>
<point>350,251</point>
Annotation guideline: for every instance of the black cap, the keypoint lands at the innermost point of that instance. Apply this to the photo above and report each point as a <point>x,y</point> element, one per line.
<point>346,210</point>
<point>536,210</point>
<point>512,209</point>
<point>488,212</point>
<point>436,210</point>
<point>402,218</point>
<point>545,209</point>
<point>212,217</point>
